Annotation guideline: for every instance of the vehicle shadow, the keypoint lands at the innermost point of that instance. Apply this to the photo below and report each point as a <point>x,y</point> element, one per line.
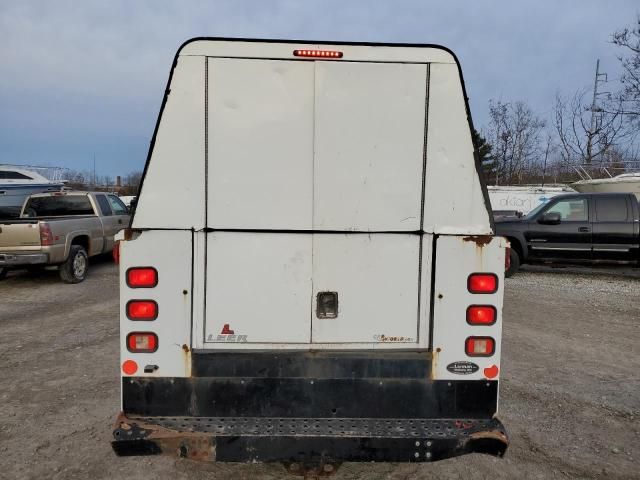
<point>49,275</point>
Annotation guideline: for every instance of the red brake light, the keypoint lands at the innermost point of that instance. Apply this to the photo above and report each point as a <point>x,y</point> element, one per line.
<point>507,258</point>
<point>142,310</point>
<point>480,346</point>
<point>481,315</point>
<point>116,252</point>
<point>482,283</point>
<point>317,53</point>
<point>142,277</point>
<point>142,342</point>
<point>46,237</point>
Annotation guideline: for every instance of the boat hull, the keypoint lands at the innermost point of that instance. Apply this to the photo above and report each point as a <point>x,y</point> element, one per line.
<point>631,185</point>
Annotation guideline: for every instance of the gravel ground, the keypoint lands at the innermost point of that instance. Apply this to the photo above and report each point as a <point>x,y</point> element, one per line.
<point>570,391</point>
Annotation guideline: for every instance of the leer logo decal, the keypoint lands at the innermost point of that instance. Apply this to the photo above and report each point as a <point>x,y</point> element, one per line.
<point>463,368</point>
<point>386,338</point>
<point>227,335</point>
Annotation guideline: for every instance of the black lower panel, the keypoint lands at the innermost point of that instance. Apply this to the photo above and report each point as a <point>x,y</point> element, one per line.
<point>309,397</point>
<point>329,364</point>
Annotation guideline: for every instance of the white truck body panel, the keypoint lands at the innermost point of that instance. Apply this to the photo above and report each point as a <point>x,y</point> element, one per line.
<point>454,203</point>
<point>376,277</point>
<point>293,145</point>
<point>365,164</point>
<point>278,107</point>
<point>173,295</point>
<point>178,155</point>
<point>260,144</point>
<point>458,258</point>
<point>259,285</point>
<point>283,50</point>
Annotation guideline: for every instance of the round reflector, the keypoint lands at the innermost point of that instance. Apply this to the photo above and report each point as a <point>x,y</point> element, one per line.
<point>129,367</point>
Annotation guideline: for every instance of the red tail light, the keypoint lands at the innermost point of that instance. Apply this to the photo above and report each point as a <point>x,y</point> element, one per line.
<point>481,315</point>
<point>142,342</point>
<point>482,283</point>
<point>480,346</point>
<point>116,252</point>
<point>142,310</point>
<point>46,237</point>
<point>142,277</point>
<point>317,53</point>
<point>507,258</point>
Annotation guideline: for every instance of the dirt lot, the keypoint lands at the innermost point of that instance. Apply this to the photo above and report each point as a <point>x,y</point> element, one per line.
<point>570,394</point>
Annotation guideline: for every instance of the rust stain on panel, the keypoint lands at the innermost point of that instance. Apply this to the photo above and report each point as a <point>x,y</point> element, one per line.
<point>434,363</point>
<point>479,240</point>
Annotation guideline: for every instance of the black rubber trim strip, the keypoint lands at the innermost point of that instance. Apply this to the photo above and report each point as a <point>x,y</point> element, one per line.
<point>432,292</point>
<point>318,364</point>
<point>192,287</point>
<point>476,156</point>
<point>311,231</point>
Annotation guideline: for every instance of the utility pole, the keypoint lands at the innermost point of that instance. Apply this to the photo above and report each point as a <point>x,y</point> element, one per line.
<point>594,109</point>
<point>94,169</point>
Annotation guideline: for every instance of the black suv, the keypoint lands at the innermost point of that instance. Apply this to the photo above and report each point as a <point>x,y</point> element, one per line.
<point>576,228</point>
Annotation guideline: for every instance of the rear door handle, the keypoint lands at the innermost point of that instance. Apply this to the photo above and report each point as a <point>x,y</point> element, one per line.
<point>584,229</point>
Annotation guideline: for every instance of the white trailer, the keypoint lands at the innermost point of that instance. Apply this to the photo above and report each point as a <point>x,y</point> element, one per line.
<point>322,285</point>
<point>522,199</point>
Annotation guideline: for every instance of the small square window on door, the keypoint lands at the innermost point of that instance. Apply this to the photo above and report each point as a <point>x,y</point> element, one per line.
<point>327,306</point>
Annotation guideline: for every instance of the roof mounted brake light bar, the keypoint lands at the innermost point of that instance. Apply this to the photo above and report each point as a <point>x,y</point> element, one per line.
<point>317,53</point>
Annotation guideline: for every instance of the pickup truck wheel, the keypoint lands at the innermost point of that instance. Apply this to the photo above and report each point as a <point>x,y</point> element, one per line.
<point>3,272</point>
<point>514,263</point>
<point>74,269</point>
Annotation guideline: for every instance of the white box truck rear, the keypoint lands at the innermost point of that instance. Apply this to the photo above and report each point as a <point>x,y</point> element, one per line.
<point>310,275</point>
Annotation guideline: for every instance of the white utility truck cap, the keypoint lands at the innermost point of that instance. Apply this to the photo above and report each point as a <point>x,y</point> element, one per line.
<point>310,274</point>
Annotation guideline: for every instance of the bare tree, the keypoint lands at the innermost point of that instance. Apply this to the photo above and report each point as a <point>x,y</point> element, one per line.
<point>629,40</point>
<point>583,140</point>
<point>132,179</point>
<point>75,178</point>
<point>514,132</point>
<point>549,148</point>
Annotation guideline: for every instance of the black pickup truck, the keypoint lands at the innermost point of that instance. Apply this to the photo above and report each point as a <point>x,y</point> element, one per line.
<point>576,228</point>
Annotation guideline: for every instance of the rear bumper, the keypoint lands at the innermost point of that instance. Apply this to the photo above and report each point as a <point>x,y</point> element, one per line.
<point>17,259</point>
<point>309,409</point>
<point>308,444</point>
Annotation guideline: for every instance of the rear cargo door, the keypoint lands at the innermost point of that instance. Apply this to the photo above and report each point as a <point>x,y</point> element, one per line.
<point>314,192</point>
<point>368,163</point>
<point>260,183</point>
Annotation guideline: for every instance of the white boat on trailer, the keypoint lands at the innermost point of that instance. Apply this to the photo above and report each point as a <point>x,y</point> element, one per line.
<point>623,183</point>
<point>17,183</point>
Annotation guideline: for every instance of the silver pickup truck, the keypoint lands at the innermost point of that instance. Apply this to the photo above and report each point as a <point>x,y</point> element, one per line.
<point>61,229</point>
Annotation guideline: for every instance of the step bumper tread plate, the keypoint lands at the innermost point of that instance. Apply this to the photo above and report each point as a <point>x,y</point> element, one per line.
<point>308,440</point>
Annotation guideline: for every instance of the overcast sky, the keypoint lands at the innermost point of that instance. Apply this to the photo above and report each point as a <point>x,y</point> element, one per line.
<point>79,78</point>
